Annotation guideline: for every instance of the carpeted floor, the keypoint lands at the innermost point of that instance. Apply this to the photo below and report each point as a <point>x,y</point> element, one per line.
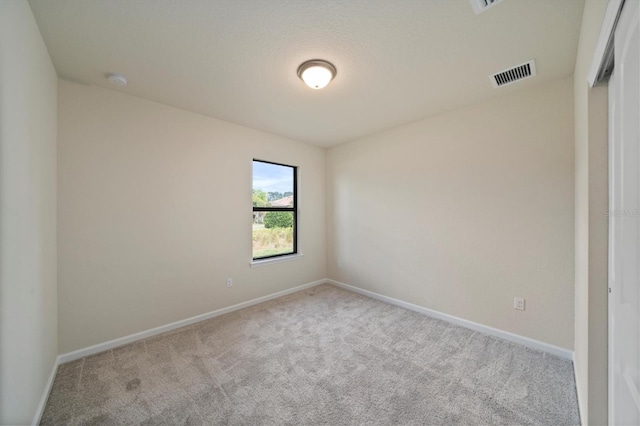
<point>319,356</point>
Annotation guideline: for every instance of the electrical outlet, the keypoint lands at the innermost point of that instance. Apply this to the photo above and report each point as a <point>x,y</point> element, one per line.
<point>339,264</point>
<point>229,282</point>
<point>518,303</point>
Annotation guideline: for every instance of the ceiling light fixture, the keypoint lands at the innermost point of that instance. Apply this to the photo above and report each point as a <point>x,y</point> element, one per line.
<point>117,79</point>
<point>316,73</point>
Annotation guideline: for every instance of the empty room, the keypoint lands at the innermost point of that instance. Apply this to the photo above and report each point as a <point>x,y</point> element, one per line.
<point>341,212</point>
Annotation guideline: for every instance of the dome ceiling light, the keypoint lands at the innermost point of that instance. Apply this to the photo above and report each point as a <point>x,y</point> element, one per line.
<point>316,73</point>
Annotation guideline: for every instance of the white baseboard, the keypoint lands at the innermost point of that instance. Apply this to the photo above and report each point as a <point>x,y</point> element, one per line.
<point>577,383</point>
<point>525,341</point>
<point>45,394</point>
<point>101,347</point>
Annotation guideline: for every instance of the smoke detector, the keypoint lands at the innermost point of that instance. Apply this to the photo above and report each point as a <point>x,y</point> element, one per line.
<point>480,6</point>
<point>117,79</point>
<point>511,75</point>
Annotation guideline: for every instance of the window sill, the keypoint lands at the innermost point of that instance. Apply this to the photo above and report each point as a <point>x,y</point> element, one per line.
<point>256,263</point>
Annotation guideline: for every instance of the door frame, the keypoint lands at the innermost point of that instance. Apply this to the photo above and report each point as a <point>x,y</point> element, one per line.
<point>601,68</point>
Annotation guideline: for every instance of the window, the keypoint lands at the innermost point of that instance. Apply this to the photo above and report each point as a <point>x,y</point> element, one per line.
<point>274,210</point>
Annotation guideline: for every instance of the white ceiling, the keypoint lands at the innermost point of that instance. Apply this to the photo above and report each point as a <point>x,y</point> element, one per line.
<point>398,61</point>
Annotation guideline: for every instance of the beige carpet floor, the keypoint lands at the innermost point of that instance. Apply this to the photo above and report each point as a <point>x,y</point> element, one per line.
<point>319,356</point>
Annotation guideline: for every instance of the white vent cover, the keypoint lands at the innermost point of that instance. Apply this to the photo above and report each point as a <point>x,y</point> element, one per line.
<point>482,5</point>
<point>511,75</point>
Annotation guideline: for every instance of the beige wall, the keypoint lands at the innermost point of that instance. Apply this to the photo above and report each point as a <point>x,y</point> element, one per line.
<point>28,318</point>
<point>155,214</point>
<point>463,211</point>
<point>591,203</point>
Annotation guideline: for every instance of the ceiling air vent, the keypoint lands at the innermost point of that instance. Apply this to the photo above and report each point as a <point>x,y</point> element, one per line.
<point>511,75</point>
<point>482,5</point>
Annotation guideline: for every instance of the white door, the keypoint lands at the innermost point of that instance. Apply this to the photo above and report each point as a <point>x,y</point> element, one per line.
<point>624,221</point>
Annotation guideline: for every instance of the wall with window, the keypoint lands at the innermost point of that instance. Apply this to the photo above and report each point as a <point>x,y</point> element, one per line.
<point>155,213</point>
<point>463,211</point>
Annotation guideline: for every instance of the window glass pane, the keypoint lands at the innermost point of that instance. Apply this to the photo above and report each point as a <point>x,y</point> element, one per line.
<point>272,233</point>
<point>272,185</point>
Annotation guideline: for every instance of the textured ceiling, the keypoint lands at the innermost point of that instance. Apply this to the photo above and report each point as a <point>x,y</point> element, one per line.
<point>397,61</point>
